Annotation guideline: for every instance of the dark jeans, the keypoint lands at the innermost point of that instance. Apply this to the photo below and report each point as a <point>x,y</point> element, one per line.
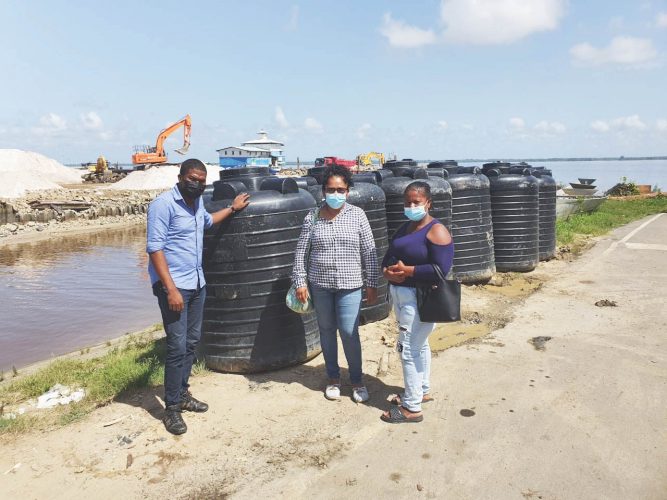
<point>183,333</point>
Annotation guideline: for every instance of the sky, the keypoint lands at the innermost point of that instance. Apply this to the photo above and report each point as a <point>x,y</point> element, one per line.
<point>424,79</point>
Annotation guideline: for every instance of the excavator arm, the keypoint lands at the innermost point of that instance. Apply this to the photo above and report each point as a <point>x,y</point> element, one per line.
<point>145,154</point>
<point>162,136</point>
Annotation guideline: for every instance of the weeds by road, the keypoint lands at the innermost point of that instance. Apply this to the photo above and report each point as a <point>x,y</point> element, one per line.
<point>137,363</point>
<point>610,215</point>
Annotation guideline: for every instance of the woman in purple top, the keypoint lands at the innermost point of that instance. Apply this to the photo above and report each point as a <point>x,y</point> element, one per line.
<point>413,250</point>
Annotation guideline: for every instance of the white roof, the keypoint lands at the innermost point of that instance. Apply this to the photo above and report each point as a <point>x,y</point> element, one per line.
<point>263,139</point>
<point>249,149</point>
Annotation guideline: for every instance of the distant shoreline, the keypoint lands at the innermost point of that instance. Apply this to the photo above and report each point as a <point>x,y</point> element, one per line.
<point>469,160</point>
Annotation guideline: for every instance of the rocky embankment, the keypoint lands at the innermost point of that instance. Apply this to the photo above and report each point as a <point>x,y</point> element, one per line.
<point>72,208</point>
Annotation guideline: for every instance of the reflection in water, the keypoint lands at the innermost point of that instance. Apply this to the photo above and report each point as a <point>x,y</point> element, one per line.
<point>72,291</point>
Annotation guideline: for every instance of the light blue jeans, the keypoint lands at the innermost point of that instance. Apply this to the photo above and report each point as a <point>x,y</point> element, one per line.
<point>413,346</point>
<point>339,310</point>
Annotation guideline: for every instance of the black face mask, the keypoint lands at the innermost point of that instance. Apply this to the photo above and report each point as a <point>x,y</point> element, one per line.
<point>192,189</point>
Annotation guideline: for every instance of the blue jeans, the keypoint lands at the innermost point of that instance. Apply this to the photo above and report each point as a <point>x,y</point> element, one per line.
<point>413,346</point>
<point>339,310</point>
<point>183,333</point>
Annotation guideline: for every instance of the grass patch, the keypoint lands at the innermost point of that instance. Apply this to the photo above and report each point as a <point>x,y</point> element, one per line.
<point>610,215</point>
<point>136,364</point>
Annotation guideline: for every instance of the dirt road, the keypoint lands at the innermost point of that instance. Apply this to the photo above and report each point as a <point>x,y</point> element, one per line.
<point>582,418</point>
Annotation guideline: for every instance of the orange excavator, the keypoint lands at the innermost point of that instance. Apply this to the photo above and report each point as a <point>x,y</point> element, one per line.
<point>156,154</point>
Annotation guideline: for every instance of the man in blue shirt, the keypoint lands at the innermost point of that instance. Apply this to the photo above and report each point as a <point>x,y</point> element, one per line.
<point>175,234</point>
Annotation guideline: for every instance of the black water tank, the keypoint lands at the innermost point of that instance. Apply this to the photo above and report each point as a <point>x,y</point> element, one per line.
<point>371,199</point>
<point>547,187</point>
<point>317,173</point>
<point>441,192</point>
<point>515,210</point>
<point>400,167</point>
<point>394,187</point>
<point>472,225</point>
<point>248,263</point>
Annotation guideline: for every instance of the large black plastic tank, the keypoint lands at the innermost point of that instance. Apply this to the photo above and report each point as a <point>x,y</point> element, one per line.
<point>547,187</point>
<point>317,173</point>
<point>472,225</point>
<point>442,164</point>
<point>515,211</point>
<point>393,188</point>
<point>371,199</point>
<point>248,263</point>
<point>441,193</point>
<point>400,167</point>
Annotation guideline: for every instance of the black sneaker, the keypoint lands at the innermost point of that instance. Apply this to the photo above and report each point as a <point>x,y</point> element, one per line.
<point>188,403</point>
<point>173,421</point>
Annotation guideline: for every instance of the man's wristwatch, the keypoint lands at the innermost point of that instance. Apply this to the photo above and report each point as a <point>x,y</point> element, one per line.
<point>233,209</point>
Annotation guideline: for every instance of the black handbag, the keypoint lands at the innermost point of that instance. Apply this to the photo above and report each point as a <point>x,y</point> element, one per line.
<point>439,302</point>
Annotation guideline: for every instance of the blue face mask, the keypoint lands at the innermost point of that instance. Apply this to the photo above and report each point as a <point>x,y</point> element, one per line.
<point>335,200</point>
<point>415,213</point>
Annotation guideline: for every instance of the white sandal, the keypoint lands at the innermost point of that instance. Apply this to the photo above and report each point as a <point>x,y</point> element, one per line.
<point>332,392</point>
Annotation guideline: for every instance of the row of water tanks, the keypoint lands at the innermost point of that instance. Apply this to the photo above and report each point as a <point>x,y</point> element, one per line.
<point>502,217</point>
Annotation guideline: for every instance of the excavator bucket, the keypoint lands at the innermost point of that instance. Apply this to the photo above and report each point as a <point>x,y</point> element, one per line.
<point>184,149</point>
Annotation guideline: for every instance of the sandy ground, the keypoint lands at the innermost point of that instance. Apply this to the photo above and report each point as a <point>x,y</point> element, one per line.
<point>582,418</point>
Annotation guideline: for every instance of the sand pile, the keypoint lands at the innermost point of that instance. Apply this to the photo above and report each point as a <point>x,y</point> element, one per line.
<point>160,177</point>
<point>22,171</point>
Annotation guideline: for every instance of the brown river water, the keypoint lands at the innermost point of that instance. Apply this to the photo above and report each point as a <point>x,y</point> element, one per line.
<point>69,292</point>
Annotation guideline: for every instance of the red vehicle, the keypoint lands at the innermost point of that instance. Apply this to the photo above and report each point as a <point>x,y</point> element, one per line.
<point>332,160</point>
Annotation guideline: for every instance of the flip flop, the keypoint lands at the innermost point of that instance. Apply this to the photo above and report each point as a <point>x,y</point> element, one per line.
<point>396,417</point>
<point>396,401</point>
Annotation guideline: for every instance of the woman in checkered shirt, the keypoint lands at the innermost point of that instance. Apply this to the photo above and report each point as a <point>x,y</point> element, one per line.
<point>342,260</point>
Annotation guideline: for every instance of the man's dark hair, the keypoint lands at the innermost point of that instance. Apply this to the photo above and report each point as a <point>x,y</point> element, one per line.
<point>337,171</point>
<point>192,164</point>
<point>420,187</point>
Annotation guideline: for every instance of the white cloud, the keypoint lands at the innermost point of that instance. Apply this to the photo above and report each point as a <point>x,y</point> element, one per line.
<point>620,124</point>
<point>400,34</point>
<point>550,128</point>
<point>91,121</point>
<point>442,125</point>
<point>661,20</point>
<point>53,122</point>
<point>293,23</point>
<point>661,125</point>
<point>628,123</point>
<point>490,22</point>
<point>600,126</point>
<point>280,118</point>
<point>312,124</point>
<point>622,50</point>
<point>362,132</point>
<point>517,124</point>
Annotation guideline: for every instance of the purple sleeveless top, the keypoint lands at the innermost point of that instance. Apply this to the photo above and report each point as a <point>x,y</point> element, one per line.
<point>415,249</point>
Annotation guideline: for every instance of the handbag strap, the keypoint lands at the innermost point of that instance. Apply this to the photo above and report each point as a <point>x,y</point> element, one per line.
<point>438,271</point>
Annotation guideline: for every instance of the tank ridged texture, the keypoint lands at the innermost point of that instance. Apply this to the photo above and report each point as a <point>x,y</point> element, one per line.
<point>472,225</point>
<point>394,187</point>
<point>371,199</point>
<point>248,263</point>
<point>547,186</point>
<point>515,213</point>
